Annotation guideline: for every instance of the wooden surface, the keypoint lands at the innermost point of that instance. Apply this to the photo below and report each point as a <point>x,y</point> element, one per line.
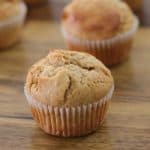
<point>127,126</point>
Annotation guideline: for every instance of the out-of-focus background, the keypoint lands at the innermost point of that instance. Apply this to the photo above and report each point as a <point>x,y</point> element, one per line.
<point>127,126</point>
<point>51,9</point>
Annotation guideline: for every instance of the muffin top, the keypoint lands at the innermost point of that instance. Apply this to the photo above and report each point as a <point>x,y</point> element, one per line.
<point>9,8</point>
<point>97,19</point>
<point>68,78</point>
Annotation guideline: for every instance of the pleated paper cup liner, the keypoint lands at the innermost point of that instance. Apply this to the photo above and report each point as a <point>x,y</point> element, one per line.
<point>10,29</point>
<point>69,121</point>
<point>111,51</point>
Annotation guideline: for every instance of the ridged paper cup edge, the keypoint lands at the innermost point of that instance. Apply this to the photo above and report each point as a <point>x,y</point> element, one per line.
<point>69,121</point>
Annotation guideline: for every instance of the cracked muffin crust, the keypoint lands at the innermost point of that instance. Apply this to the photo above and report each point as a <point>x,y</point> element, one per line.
<point>97,20</point>
<point>68,78</point>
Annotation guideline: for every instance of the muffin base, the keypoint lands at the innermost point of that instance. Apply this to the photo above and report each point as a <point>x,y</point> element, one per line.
<point>70,121</point>
<point>109,55</point>
<point>10,36</point>
<point>10,30</point>
<point>111,51</point>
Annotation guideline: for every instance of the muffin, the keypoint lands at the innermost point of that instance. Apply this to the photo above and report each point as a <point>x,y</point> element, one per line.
<point>12,16</point>
<point>103,28</point>
<point>69,93</point>
<point>134,4</point>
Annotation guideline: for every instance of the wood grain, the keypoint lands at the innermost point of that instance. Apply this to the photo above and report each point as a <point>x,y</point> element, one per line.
<point>127,126</point>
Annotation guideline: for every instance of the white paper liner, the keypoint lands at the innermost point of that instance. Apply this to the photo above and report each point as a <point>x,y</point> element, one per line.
<point>69,121</point>
<point>16,19</point>
<point>92,44</point>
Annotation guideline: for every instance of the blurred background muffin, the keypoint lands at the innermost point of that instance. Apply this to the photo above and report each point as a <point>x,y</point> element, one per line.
<point>103,28</point>
<point>12,16</point>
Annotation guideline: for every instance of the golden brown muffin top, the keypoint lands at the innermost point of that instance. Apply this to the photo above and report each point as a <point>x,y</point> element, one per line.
<point>97,19</point>
<point>9,8</point>
<point>68,78</point>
